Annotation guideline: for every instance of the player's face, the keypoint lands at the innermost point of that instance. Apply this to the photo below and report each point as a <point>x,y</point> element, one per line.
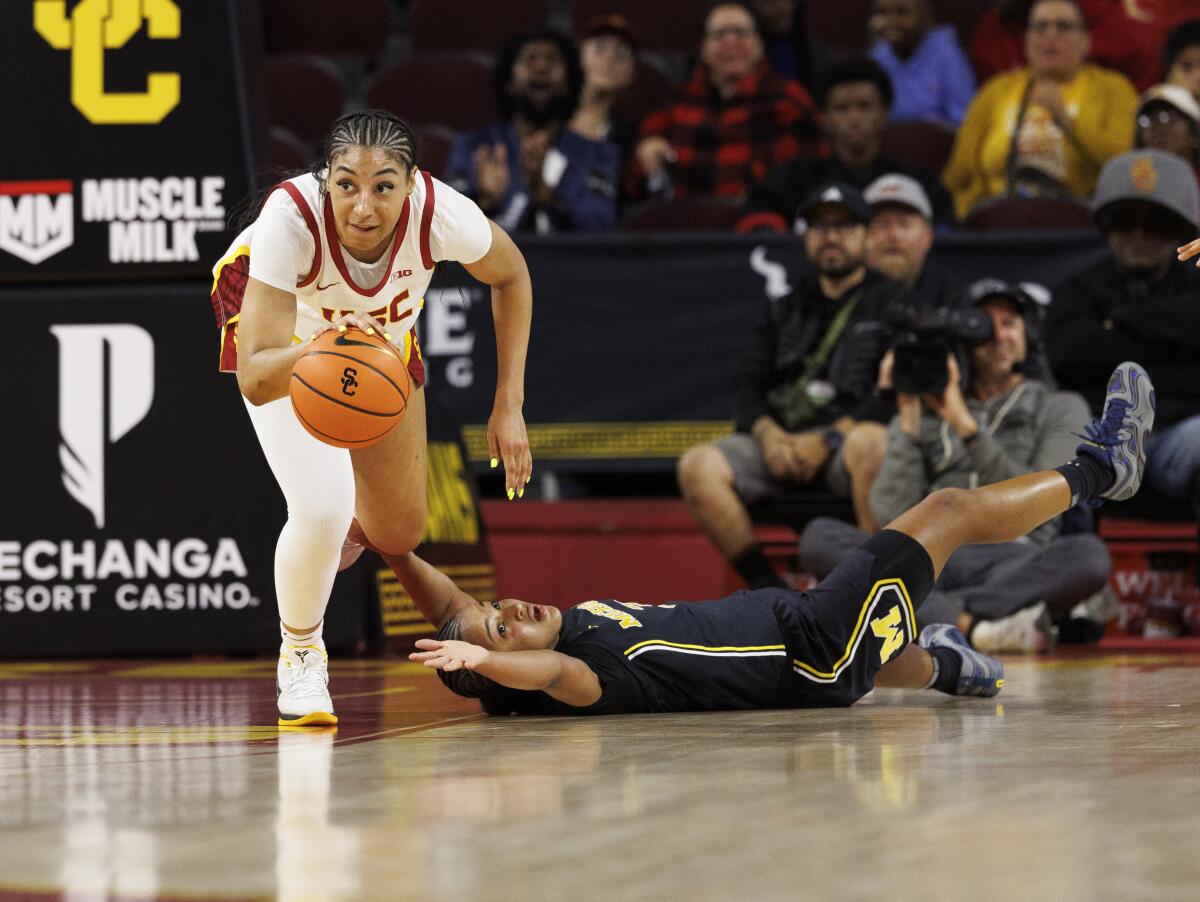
<point>1185,71</point>
<point>898,241</point>
<point>835,241</point>
<point>855,115</point>
<point>367,188</point>
<point>731,47</point>
<point>1056,39</point>
<point>995,359</point>
<point>608,62</point>
<point>511,625</point>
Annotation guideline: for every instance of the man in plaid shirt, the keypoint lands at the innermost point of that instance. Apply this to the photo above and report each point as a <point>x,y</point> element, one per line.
<point>732,121</point>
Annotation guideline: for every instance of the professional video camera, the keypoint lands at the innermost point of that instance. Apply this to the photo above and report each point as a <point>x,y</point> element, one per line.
<point>927,337</point>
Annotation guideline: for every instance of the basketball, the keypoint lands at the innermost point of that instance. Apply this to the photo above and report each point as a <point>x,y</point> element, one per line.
<point>350,388</point>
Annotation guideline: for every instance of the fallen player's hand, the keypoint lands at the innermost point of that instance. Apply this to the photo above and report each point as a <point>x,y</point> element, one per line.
<point>450,655</point>
<point>1189,250</point>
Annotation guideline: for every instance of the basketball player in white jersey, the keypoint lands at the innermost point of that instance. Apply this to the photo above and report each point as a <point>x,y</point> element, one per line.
<point>353,245</point>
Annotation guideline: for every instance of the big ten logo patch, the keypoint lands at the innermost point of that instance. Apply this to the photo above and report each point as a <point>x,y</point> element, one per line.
<point>97,26</point>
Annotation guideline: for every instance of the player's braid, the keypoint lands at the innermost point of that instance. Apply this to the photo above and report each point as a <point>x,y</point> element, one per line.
<point>466,683</point>
<point>371,128</point>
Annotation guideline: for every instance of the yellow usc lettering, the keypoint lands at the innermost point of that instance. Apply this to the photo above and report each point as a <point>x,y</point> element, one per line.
<point>98,25</point>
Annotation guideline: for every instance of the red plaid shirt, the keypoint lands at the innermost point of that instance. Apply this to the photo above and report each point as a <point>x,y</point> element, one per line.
<point>727,145</point>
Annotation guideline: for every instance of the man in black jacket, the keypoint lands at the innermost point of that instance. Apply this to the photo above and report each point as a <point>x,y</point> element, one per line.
<point>1141,303</point>
<point>809,379</point>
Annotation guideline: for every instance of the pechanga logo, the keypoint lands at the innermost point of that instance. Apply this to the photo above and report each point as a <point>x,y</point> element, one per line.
<point>95,26</point>
<point>37,219</point>
<point>106,386</point>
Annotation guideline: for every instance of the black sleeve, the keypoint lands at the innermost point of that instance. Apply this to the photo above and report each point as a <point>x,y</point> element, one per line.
<point>620,692</point>
<point>1081,350</point>
<point>774,194</point>
<point>758,368</point>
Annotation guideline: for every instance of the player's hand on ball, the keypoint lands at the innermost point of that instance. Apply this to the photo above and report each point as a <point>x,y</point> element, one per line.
<point>359,321</point>
<point>1189,250</point>
<point>449,655</point>
<point>509,443</point>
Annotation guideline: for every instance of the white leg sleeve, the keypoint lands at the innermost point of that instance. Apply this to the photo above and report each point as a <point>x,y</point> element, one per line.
<point>318,484</point>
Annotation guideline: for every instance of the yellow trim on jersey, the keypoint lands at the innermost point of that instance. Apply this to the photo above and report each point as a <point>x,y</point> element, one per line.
<point>807,670</point>
<point>719,649</point>
<point>240,250</point>
<point>221,347</point>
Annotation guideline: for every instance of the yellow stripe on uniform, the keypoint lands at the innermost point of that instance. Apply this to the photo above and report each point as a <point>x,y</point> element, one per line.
<point>873,597</point>
<point>239,251</point>
<point>733,651</point>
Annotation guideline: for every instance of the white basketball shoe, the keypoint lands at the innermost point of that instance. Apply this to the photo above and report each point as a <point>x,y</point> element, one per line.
<point>302,683</point>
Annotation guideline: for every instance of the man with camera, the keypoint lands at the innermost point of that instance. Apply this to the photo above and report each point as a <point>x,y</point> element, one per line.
<point>1000,424</point>
<point>806,382</point>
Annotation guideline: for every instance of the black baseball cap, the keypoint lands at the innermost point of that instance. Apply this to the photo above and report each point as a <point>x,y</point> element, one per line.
<point>837,194</point>
<point>986,289</point>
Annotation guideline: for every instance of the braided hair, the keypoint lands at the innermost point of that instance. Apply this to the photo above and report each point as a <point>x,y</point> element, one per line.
<point>369,128</point>
<point>493,697</point>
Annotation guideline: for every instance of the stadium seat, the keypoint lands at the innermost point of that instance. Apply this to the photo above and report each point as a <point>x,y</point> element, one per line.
<point>651,91</point>
<point>433,147</point>
<point>700,214</point>
<point>964,15</point>
<point>305,94</point>
<point>662,25</point>
<point>924,144</point>
<point>326,27</point>
<point>286,151</point>
<point>839,24</point>
<point>452,89</point>
<point>461,24</point>
<point>1007,213</point>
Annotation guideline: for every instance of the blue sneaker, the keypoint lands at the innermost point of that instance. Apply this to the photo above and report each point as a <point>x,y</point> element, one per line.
<point>980,675</point>
<point>1118,439</point>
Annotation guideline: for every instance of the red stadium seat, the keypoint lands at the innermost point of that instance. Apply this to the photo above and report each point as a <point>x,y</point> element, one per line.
<point>964,15</point>
<point>699,214</point>
<point>433,147</point>
<point>286,151</point>
<point>453,89</point>
<point>471,24</point>
<point>305,94</point>
<point>662,25</point>
<point>839,24</point>
<point>1008,213</point>
<point>327,27</point>
<point>924,144</point>
<point>651,90</point>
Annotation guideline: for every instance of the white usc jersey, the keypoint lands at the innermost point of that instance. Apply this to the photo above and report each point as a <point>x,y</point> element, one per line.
<point>436,223</point>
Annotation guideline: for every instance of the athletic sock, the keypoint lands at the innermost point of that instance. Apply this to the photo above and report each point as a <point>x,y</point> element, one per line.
<point>947,665</point>
<point>314,639</point>
<point>1087,477</point>
<point>755,569</point>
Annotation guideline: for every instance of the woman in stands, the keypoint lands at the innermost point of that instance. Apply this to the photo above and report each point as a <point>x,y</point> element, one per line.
<point>353,244</point>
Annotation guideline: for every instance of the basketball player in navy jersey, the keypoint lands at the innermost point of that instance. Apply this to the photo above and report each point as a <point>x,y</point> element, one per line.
<point>774,648</point>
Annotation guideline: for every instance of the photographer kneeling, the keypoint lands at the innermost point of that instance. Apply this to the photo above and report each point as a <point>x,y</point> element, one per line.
<point>1005,598</point>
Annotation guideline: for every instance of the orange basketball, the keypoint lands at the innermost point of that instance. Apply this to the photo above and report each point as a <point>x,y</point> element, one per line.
<point>350,388</point>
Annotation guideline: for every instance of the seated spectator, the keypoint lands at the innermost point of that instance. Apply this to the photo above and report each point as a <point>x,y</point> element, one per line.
<point>1141,303</point>
<point>1182,57</point>
<point>791,50</point>
<point>608,56</point>
<point>899,239</point>
<point>931,78</point>
<point>997,425</point>
<point>1045,130</point>
<point>1130,44</point>
<point>731,121</point>
<point>1169,119</point>
<point>529,172</point>
<point>855,96</point>
<point>811,369</point>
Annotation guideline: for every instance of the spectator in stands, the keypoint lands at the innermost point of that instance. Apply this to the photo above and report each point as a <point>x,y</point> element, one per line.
<point>931,78</point>
<point>1169,119</point>
<point>855,96</point>
<point>1130,44</point>
<point>608,49</point>
<point>1141,303</point>
<point>899,239</point>
<point>998,425</point>
<point>810,371</point>
<point>1045,130</point>
<point>731,121</point>
<point>792,51</point>
<point>1182,57</point>
<point>529,172</point>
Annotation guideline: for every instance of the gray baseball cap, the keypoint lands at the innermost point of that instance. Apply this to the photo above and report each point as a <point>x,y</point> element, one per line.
<point>901,190</point>
<point>1152,176</point>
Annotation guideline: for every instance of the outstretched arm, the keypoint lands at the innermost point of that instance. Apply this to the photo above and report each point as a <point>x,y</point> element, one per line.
<point>433,592</point>
<point>560,676</point>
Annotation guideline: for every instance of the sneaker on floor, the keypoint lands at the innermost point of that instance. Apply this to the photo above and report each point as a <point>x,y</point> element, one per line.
<point>1030,631</point>
<point>302,683</point>
<point>980,675</point>
<point>1118,438</point>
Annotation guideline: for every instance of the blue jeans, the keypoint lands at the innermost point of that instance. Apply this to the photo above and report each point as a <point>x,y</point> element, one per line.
<point>1173,461</point>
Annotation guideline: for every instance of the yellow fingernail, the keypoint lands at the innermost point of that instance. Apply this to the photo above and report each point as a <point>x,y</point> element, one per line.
<point>370,331</point>
<point>495,463</point>
<point>521,494</point>
<point>387,335</point>
<point>314,337</point>
<point>510,494</point>
<point>341,328</point>
<point>527,478</point>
